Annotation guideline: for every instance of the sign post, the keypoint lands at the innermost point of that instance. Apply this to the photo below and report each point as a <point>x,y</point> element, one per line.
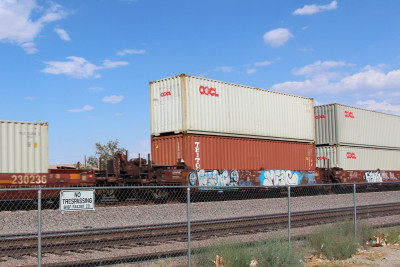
<point>74,200</point>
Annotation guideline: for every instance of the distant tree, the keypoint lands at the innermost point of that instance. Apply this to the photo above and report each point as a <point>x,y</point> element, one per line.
<point>105,152</point>
<point>93,161</point>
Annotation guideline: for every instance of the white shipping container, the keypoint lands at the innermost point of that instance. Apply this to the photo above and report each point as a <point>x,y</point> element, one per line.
<point>23,147</point>
<point>337,124</point>
<point>202,106</point>
<point>358,158</point>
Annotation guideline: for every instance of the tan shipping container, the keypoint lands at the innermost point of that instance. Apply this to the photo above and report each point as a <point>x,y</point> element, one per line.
<point>23,147</point>
<point>338,124</point>
<point>358,158</point>
<point>188,104</point>
<point>232,153</point>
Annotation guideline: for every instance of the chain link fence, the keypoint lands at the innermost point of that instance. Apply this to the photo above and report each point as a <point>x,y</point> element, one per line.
<point>173,225</point>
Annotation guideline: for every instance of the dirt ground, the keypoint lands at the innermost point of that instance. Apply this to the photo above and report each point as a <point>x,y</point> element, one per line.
<point>388,256</point>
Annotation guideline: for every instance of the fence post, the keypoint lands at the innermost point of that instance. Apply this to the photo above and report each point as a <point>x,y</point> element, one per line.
<point>39,207</point>
<point>355,210</point>
<point>289,215</point>
<point>188,224</point>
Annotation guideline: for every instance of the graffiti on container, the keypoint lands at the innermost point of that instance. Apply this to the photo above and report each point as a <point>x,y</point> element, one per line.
<point>373,177</point>
<point>286,177</point>
<point>214,178</point>
<point>245,183</point>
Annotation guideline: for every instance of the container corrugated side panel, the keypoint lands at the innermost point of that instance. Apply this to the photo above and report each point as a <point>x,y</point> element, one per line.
<point>345,125</point>
<point>216,152</point>
<point>325,125</point>
<point>231,110</point>
<point>24,147</point>
<point>248,111</point>
<point>367,128</point>
<point>359,158</point>
<point>166,106</point>
<point>326,157</point>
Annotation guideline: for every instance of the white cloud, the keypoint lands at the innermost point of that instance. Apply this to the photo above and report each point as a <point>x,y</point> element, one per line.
<point>262,63</point>
<point>277,37</point>
<point>312,9</point>
<point>319,66</point>
<point>257,64</point>
<point>62,34</point>
<point>369,80</point>
<point>30,98</point>
<point>17,25</point>
<point>117,114</point>
<point>85,108</point>
<point>382,106</point>
<point>114,99</point>
<point>29,48</point>
<point>108,64</point>
<point>131,52</point>
<point>225,69</point>
<point>317,103</point>
<point>79,67</point>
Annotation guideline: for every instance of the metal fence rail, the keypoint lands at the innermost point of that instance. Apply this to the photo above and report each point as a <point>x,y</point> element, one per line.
<point>90,226</point>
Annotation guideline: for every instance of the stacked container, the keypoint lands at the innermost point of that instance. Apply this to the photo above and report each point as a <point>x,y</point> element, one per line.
<point>356,139</point>
<point>24,147</point>
<point>217,125</point>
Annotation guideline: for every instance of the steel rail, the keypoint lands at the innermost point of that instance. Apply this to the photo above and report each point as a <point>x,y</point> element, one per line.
<point>58,242</point>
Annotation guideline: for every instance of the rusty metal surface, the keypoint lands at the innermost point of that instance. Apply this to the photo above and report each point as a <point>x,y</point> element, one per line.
<point>372,176</point>
<point>54,178</point>
<point>217,152</point>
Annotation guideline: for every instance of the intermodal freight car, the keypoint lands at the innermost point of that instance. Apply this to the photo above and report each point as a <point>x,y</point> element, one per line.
<point>145,172</point>
<point>211,133</point>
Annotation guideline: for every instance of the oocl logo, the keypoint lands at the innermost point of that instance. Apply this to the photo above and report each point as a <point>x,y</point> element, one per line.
<point>321,158</point>
<point>351,155</point>
<point>320,117</point>
<point>204,90</point>
<point>165,93</point>
<point>349,114</point>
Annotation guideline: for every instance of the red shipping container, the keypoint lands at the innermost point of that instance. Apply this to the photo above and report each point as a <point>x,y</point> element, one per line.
<point>232,153</point>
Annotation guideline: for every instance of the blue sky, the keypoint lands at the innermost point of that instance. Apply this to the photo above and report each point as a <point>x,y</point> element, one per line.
<point>84,66</point>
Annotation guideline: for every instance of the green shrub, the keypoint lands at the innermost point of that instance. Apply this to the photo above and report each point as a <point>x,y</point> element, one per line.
<point>276,253</point>
<point>233,255</point>
<point>271,253</point>
<point>338,241</point>
<point>393,235</point>
<point>364,232</point>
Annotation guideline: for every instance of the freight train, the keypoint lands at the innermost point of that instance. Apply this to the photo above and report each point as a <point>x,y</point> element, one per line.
<point>211,134</point>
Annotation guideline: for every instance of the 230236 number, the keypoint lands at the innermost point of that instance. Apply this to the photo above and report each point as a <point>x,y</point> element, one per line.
<point>29,179</point>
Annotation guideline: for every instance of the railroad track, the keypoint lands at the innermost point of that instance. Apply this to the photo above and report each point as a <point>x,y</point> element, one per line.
<point>151,235</point>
